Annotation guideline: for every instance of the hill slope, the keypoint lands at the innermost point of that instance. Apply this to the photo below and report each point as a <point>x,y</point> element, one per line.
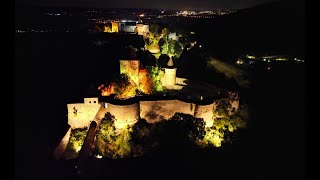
<point>276,27</point>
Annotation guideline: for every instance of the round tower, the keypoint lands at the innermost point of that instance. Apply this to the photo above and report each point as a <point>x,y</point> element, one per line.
<point>170,74</point>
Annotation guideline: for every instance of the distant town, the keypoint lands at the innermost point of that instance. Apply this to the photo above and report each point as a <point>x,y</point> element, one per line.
<point>123,15</point>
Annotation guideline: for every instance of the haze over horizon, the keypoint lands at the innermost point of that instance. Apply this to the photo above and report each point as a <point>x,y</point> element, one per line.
<point>154,4</point>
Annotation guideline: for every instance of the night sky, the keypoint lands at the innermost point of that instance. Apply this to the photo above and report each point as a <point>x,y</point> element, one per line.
<point>159,4</point>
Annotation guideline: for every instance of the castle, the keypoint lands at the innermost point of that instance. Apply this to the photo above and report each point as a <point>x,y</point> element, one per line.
<point>151,108</point>
<point>128,112</point>
<point>129,27</point>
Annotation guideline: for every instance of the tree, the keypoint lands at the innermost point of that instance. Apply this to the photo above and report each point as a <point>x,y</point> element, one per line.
<point>76,140</point>
<point>147,59</point>
<point>154,28</point>
<point>141,138</point>
<point>165,33</point>
<point>163,60</point>
<point>222,127</point>
<point>156,74</point>
<point>195,127</point>
<point>124,87</point>
<point>111,144</point>
<point>164,47</point>
<point>177,49</point>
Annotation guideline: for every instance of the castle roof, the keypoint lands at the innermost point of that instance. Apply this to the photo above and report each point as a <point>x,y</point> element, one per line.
<point>170,62</point>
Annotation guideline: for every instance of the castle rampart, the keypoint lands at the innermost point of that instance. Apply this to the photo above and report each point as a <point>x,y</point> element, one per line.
<point>155,111</point>
<point>82,114</point>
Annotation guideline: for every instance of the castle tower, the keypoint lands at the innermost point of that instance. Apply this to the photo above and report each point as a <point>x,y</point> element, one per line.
<point>170,75</point>
<point>142,29</point>
<point>115,26</point>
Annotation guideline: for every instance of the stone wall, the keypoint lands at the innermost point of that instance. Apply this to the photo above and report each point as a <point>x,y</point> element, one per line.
<point>81,114</point>
<point>205,112</point>
<point>181,81</point>
<point>155,111</point>
<point>124,114</point>
<point>61,148</point>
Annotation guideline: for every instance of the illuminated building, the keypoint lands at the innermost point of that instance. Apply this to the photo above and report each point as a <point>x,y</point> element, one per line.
<point>128,26</point>
<point>170,75</point>
<point>142,29</point>
<point>115,26</point>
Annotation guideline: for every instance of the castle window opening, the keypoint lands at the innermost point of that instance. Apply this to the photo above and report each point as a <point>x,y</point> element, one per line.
<point>94,102</point>
<point>89,101</point>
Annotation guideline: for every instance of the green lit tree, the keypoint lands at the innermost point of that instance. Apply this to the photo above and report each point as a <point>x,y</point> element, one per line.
<point>223,125</point>
<point>156,74</point>
<point>163,60</point>
<point>111,144</point>
<point>154,28</point>
<point>75,143</point>
<point>124,86</point>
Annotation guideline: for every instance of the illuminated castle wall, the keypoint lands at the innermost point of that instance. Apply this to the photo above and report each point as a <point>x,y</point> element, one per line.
<point>151,111</point>
<point>142,29</point>
<point>124,114</point>
<point>155,111</point>
<point>81,114</point>
<point>205,112</point>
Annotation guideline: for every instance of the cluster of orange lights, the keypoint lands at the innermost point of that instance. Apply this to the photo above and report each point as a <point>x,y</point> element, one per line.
<point>107,90</point>
<point>145,85</point>
<point>145,82</point>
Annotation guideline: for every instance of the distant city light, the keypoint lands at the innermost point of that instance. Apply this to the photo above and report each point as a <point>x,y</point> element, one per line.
<point>250,57</point>
<point>239,62</point>
<point>200,46</point>
<point>141,15</point>
<point>281,59</point>
<point>98,156</point>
